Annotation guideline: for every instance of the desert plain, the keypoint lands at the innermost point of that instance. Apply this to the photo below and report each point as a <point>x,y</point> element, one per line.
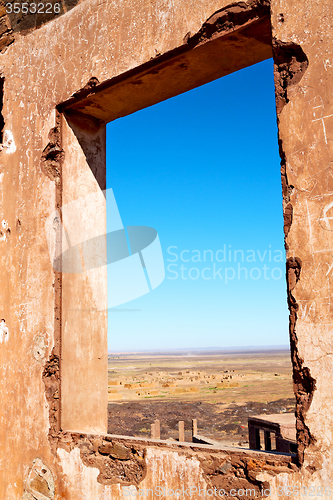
<point>219,388</point>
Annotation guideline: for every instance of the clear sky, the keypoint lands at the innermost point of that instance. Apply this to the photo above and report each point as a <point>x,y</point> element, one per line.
<point>203,169</point>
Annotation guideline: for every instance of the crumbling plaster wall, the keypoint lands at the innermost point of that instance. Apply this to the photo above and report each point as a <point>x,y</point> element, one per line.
<point>44,68</point>
<point>305,133</point>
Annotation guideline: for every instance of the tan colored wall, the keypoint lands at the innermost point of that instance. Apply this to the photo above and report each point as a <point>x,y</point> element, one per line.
<point>42,69</point>
<point>306,133</point>
<point>84,325</point>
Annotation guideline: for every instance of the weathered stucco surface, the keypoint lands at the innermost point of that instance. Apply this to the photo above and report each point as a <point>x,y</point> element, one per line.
<point>51,156</point>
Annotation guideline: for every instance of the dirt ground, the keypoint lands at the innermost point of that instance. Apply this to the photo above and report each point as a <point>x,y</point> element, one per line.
<point>220,389</point>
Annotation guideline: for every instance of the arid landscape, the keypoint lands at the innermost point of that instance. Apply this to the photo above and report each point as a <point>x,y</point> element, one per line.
<point>219,388</point>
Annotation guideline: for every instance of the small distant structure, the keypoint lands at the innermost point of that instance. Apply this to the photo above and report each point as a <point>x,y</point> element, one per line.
<point>156,430</point>
<point>276,432</point>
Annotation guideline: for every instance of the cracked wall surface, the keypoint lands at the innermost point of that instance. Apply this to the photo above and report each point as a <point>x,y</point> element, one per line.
<point>54,74</point>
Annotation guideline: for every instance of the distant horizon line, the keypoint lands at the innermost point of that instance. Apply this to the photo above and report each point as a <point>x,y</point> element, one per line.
<point>196,349</point>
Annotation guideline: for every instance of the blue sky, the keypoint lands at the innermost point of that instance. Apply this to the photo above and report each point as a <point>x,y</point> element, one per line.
<point>203,169</point>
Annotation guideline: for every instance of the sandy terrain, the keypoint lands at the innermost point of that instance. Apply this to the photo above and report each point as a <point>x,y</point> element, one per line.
<point>218,388</point>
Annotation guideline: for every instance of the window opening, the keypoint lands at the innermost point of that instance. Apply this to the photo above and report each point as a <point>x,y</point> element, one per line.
<point>209,345</point>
